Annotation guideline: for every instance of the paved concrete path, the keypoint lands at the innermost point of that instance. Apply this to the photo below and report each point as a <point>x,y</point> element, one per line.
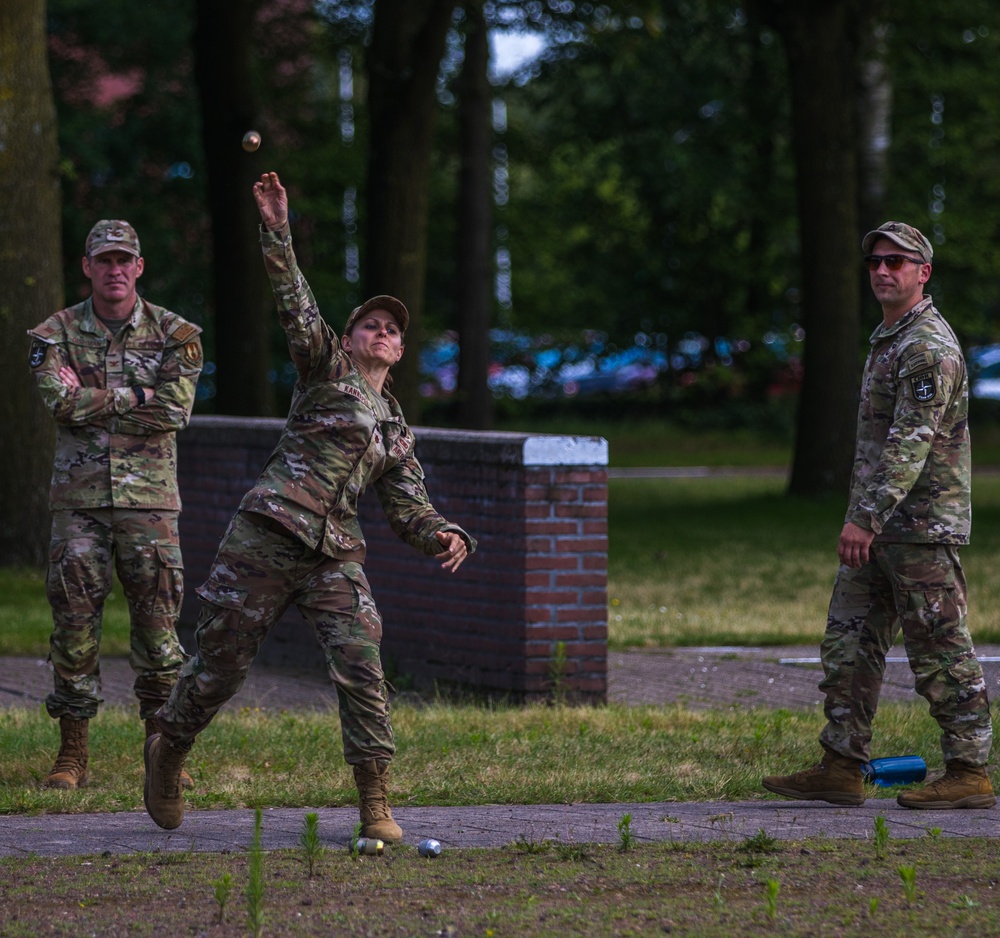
<point>484,826</point>
<point>698,678</point>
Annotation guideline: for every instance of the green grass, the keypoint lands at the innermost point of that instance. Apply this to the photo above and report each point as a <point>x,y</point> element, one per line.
<point>661,443</point>
<point>451,754</point>
<point>645,442</point>
<point>729,561</point>
<point>735,561</point>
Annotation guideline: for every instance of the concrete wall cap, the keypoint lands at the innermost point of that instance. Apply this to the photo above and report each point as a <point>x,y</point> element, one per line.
<point>565,451</point>
<point>500,447</point>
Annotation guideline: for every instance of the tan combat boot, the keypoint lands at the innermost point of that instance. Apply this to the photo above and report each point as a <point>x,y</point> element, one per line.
<point>372,779</point>
<point>836,779</point>
<point>186,781</point>
<point>70,770</point>
<point>162,789</point>
<point>961,786</point>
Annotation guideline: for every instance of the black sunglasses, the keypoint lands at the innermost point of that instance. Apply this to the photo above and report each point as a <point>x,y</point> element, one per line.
<point>891,261</point>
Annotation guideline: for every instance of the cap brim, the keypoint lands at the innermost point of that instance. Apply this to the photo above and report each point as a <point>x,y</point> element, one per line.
<point>390,304</point>
<point>104,248</point>
<point>869,241</point>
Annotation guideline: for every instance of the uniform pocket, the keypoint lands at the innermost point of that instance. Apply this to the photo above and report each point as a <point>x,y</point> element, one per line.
<point>223,595</point>
<point>366,620</point>
<point>225,637</point>
<point>169,580</point>
<point>932,606</point>
<point>55,584</point>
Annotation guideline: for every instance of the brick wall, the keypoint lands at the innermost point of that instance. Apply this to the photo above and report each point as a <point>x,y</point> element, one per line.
<point>537,583</point>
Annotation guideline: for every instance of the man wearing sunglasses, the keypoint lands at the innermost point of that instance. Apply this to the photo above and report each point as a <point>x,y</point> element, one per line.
<point>908,514</point>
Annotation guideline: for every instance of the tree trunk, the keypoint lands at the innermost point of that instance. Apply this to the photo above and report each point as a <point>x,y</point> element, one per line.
<point>474,224</point>
<point>821,43</point>
<point>402,63</point>
<point>875,134</point>
<point>242,298</point>
<point>31,284</point>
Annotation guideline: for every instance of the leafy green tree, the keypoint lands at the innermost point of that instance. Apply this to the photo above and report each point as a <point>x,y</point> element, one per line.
<point>130,143</point>
<point>651,189</point>
<point>944,151</point>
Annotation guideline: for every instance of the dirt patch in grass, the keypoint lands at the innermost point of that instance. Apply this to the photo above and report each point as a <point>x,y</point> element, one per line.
<point>749,887</point>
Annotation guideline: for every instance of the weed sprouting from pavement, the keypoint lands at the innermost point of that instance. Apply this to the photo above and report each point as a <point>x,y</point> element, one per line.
<point>626,839</point>
<point>881,835</point>
<point>255,883</point>
<point>572,851</point>
<point>761,842</point>
<point>223,890</point>
<point>771,903</point>
<point>756,846</point>
<point>964,902</point>
<point>354,841</point>
<point>523,845</point>
<point>312,847</point>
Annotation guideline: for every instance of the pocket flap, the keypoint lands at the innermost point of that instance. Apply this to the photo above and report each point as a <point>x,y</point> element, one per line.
<point>222,595</point>
<point>170,555</point>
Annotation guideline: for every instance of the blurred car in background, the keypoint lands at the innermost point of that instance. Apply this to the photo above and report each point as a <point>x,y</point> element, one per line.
<point>984,371</point>
<point>575,365</point>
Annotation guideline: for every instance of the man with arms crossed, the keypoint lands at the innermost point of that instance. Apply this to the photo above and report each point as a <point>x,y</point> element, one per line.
<point>118,374</point>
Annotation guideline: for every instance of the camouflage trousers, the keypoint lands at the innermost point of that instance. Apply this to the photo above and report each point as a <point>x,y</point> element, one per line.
<point>919,589</point>
<point>260,569</point>
<point>145,549</point>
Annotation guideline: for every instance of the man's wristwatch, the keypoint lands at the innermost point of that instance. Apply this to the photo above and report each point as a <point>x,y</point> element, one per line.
<point>141,394</point>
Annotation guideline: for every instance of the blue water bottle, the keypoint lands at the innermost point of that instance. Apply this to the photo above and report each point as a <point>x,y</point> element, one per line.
<point>894,770</point>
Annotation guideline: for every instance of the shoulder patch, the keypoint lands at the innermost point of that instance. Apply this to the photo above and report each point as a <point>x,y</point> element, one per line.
<point>192,352</point>
<point>924,386</point>
<point>39,350</point>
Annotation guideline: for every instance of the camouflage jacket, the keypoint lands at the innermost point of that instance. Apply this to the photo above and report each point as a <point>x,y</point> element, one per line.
<point>335,442</point>
<point>912,463</point>
<point>110,454</point>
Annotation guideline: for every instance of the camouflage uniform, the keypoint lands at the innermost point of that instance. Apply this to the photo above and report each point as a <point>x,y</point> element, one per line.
<point>911,486</point>
<point>296,538</point>
<point>114,492</point>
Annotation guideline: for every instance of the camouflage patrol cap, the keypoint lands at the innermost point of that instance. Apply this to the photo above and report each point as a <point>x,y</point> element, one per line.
<point>906,236</point>
<point>389,303</point>
<point>113,234</point>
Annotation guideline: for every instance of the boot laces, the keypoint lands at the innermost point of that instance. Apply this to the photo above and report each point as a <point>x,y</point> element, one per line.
<point>374,797</point>
<point>171,761</point>
<point>70,757</point>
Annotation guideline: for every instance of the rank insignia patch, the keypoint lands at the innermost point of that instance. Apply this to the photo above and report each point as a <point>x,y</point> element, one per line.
<point>924,386</point>
<point>38,352</point>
